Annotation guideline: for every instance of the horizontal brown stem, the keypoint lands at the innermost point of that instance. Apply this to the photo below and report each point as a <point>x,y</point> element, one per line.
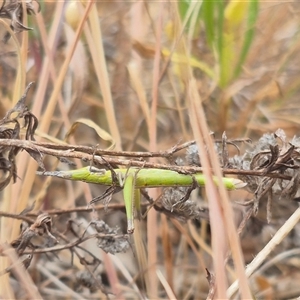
<point>95,155</point>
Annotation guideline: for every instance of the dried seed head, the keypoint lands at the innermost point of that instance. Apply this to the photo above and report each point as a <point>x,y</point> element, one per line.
<point>171,201</point>
<point>192,155</point>
<point>86,279</point>
<point>109,240</point>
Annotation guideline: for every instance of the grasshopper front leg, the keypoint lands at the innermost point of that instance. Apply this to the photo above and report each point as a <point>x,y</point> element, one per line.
<point>128,193</point>
<point>132,199</point>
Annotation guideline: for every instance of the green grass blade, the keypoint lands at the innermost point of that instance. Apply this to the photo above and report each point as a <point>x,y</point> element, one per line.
<point>249,34</point>
<point>219,42</point>
<point>183,8</point>
<point>207,13</point>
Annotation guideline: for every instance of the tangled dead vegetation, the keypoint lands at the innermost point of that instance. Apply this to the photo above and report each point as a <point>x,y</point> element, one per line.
<point>270,168</point>
<point>13,11</point>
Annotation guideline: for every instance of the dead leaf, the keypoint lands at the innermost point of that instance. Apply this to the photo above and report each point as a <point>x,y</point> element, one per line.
<point>101,132</point>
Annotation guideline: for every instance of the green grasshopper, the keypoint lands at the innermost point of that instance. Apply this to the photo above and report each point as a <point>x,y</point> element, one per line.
<point>131,180</point>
